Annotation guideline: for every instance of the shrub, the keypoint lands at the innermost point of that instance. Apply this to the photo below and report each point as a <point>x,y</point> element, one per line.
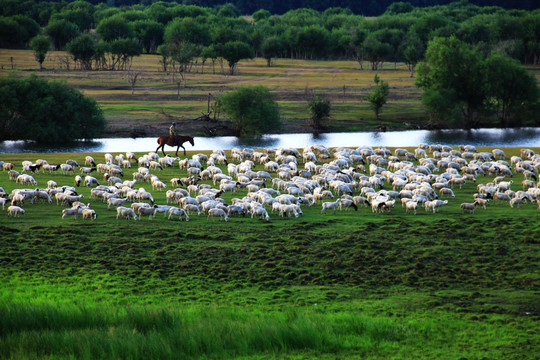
<point>47,112</point>
<point>251,109</point>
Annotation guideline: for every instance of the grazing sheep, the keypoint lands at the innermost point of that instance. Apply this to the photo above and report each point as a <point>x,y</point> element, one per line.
<point>115,202</point>
<point>411,206</point>
<point>8,166</point>
<point>90,180</point>
<point>330,205</point>
<point>15,211</point>
<point>89,214</point>
<point>13,175</point>
<point>215,212</point>
<point>174,211</point>
<point>150,211</point>
<point>125,212</point>
<point>470,207</point>
<point>66,168</point>
<point>260,213</point>
<point>446,192</point>
<point>74,211</point>
<point>191,208</point>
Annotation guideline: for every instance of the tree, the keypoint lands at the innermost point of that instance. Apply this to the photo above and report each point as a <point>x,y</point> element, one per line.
<point>453,71</point>
<point>319,108</point>
<point>377,97</point>
<point>40,44</point>
<point>234,51</point>
<point>376,51</point>
<point>149,33</point>
<point>272,47</point>
<point>114,28</point>
<point>261,14</point>
<point>413,52</point>
<point>122,52</point>
<point>251,109</point>
<point>61,32</point>
<point>83,50</point>
<point>47,112</point>
<point>510,87</point>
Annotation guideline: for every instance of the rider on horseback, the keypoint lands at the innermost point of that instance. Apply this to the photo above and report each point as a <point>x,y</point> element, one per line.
<point>172,129</point>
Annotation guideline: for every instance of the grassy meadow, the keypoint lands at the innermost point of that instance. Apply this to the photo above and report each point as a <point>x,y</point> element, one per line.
<point>155,99</point>
<point>349,285</point>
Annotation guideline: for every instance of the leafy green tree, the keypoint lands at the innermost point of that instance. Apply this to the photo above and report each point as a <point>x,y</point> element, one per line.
<point>115,27</point>
<point>187,29</point>
<point>358,37</point>
<point>81,18</point>
<point>453,71</point>
<point>261,14</point>
<point>9,33</point>
<point>399,7</point>
<point>251,109</point>
<point>47,112</point>
<point>376,51</point>
<point>510,87</point>
<point>40,44</point>
<point>319,109</point>
<point>228,10</point>
<point>412,52</point>
<point>211,53</point>
<point>122,52</point>
<point>377,96</point>
<point>83,50</point>
<point>149,33</point>
<point>234,51</point>
<point>61,32</point>
<point>272,47</point>
<point>28,28</point>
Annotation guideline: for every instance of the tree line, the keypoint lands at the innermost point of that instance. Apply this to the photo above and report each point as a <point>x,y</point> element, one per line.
<point>182,33</point>
<point>365,7</point>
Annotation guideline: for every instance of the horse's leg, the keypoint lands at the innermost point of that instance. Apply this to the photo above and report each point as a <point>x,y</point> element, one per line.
<point>162,146</point>
<point>177,150</point>
<point>184,149</point>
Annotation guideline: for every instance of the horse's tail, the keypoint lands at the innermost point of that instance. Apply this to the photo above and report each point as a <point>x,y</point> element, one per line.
<point>159,138</point>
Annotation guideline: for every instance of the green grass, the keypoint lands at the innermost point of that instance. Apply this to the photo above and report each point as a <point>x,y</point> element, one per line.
<point>349,285</point>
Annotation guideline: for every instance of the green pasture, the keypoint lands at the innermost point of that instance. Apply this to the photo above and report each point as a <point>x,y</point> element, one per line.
<point>354,285</point>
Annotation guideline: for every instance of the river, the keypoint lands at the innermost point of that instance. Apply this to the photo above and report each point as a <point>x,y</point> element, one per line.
<point>521,137</point>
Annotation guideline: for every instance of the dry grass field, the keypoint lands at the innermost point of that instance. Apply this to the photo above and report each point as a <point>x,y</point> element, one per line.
<point>155,100</point>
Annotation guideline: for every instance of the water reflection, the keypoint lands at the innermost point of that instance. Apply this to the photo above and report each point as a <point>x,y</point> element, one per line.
<point>526,137</point>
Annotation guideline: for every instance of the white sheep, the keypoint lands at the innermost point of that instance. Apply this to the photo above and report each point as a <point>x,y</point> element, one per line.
<point>411,206</point>
<point>260,213</point>
<point>115,202</point>
<point>332,205</point>
<point>89,214</point>
<point>15,211</point>
<point>125,212</point>
<point>143,210</point>
<point>470,207</point>
<point>215,212</point>
<point>74,211</point>
<point>174,211</point>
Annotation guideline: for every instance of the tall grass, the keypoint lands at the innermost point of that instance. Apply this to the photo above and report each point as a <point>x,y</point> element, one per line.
<point>42,330</point>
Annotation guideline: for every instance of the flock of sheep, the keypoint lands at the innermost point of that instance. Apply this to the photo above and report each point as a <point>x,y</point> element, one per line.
<point>338,179</point>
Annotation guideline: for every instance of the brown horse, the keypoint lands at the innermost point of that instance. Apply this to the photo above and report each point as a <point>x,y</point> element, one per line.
<point>177,141</point>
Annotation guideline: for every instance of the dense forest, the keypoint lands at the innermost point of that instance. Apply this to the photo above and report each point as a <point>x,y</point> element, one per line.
<point>181,32</point>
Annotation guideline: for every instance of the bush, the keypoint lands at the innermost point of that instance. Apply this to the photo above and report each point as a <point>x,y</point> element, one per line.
<point>47,112</point>
<point>251,109</point>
